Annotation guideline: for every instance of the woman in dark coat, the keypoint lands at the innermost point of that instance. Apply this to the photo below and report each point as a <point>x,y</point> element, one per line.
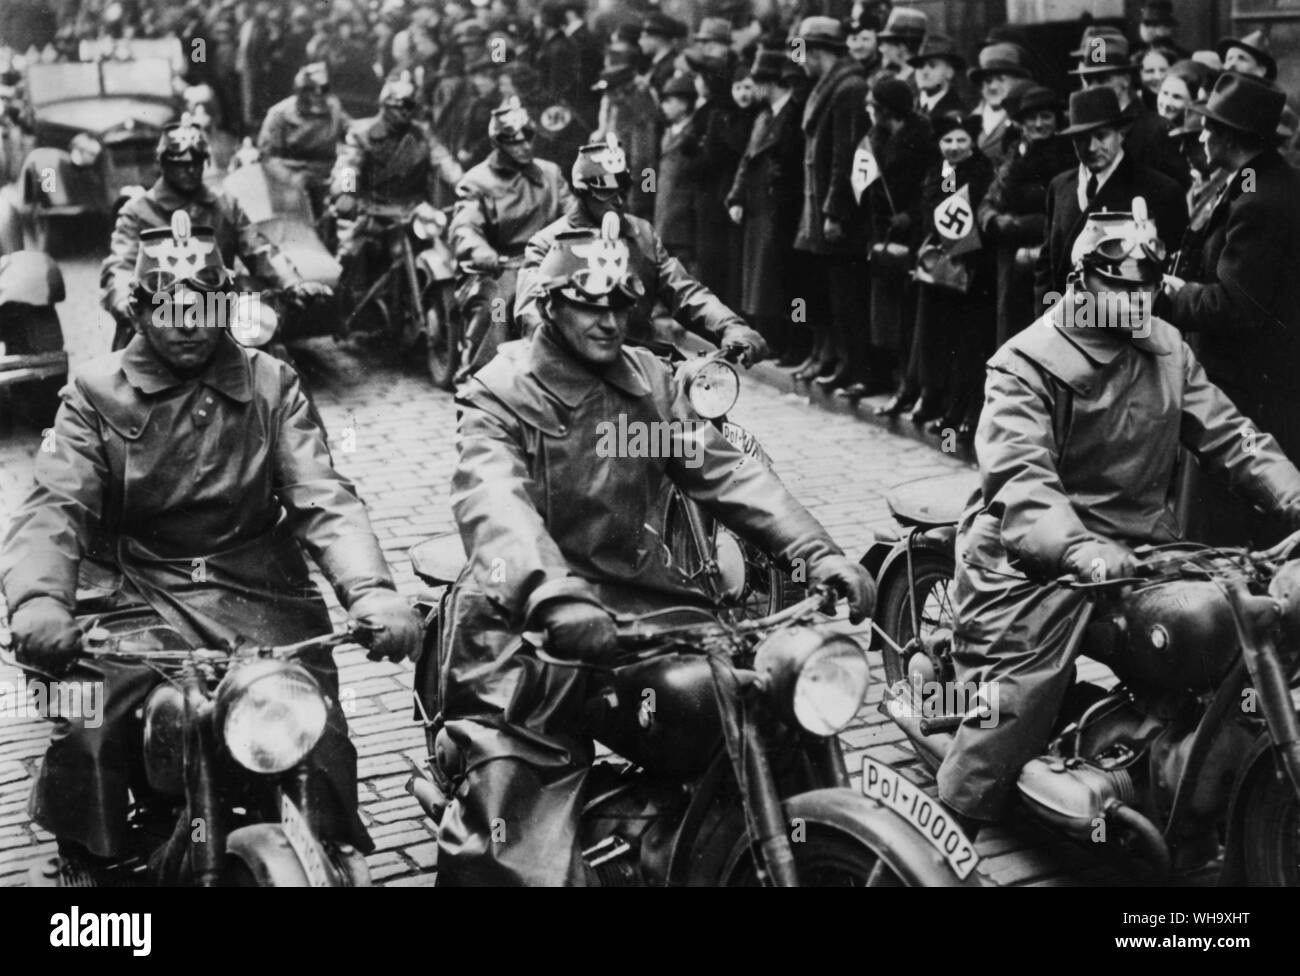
<point>955,331</point>
<point>765,200</point>
<point>1012,216</point>
<point>722,130</point>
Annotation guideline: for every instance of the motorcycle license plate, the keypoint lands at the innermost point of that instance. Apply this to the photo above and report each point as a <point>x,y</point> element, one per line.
<point>910,802</point>
<point>304,844</point>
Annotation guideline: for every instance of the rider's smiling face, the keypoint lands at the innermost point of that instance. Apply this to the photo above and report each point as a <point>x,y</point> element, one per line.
<point>595,335</point>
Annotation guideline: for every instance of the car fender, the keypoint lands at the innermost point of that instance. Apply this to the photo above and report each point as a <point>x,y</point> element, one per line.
<point>47,177</point>
<point>880,830</point>
<point>268,855</point>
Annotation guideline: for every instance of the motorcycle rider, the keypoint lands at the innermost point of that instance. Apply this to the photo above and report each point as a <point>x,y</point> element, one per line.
<point>501,203</point>
<point>387,161</point>
<point>181,154</point>
<point>1084,415</point>
<point>305,129</point>
<point>558,540</point>
<point>600,183</point>
<point>217,554</point>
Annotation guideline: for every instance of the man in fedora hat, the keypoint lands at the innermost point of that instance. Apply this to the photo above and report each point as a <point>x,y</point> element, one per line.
<point>713,39</point>
<point>1105,61</point>
<point>1246,306</point>
<point>659,36</point>
<point>629,111</point>
<point>830,225</point>
<point>1107,178</point>
<point>937,63</point>
<point>1000,64</point>
<point>901,39</point>
<point>1250,56</point>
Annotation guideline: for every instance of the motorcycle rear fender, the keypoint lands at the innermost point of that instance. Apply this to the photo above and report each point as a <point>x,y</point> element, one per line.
<point>888,560</point>
<point>881,831</point>
<point>1260,760</point>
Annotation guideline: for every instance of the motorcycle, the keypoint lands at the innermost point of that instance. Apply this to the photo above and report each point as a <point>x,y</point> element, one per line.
<point>1193,757</point>
<point>33,363</point>
<point>226,738</point>
<point>731,772</point>
<point>409,300</point>
<point>278,206</point>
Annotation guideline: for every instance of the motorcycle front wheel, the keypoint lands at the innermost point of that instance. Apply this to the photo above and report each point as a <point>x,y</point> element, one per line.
<point>930,586</point>
<point>826,858</point>
<point>1270,852</point>
<point>441,343</point>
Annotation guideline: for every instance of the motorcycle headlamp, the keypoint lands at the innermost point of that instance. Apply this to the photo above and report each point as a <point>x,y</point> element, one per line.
<point>271,714</point>
<point>84,150</point>
<point>817,680</point>
<point>712,385</point>
<point>428,222</point>
<point>253,322</point>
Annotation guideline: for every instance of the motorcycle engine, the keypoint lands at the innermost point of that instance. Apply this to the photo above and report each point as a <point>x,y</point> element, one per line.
<point>627,827</point>
<point>1098,759</point>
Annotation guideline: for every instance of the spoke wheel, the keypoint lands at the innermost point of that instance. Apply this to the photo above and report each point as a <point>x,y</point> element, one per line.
<point>931,588</point>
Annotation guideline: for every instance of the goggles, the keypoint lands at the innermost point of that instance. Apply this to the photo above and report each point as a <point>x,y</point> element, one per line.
<point>594,287</point>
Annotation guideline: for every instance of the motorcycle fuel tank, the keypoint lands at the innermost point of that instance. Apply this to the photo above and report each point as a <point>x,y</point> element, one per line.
<point>661,715</point>
<point>1179,636</point>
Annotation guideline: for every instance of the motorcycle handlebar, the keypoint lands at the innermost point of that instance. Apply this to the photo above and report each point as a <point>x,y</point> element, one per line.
<point>822,598</point>
<point>91,648</point>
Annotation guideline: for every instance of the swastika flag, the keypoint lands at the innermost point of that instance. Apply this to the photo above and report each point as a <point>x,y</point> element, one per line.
<point>954,219</point>
<point>865,171</point>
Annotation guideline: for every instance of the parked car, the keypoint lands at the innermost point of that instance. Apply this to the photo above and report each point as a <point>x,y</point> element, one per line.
<point>96,126</point>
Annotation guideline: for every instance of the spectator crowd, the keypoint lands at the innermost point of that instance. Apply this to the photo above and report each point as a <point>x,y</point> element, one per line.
<point>884,208</point>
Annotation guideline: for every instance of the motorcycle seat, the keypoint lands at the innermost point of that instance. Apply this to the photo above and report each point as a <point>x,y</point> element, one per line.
<point>439,560</point>
<point>932,503</point>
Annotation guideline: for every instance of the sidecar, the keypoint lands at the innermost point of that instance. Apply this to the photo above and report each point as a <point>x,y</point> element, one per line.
<point>277,203</point>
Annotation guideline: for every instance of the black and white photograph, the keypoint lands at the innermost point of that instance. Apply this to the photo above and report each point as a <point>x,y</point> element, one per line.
<point>651,443</point>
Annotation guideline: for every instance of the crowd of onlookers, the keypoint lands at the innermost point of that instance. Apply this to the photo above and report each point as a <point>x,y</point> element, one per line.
<point>828,177</point>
